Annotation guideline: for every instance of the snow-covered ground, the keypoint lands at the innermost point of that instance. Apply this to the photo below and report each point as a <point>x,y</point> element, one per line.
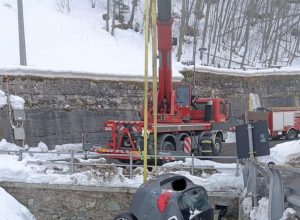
<point>214,176</point>
<point>261,211</point>
<point>221,179</point>
<point>287,152</point>
<point>12,170</point>
<point>11,209</point>
<point>76,41</point>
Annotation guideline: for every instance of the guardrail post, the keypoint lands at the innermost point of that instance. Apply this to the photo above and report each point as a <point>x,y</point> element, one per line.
<point>193,164</point>
<point>72,162</point>
<point>252,167</point>
<point>130,165</point>
<point>276,194</point>
<point>237,172</point>
<point>85,155</point>
<point>20,155</point>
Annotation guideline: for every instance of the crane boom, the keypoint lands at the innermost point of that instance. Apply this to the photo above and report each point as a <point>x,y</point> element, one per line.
<point>164,30</point>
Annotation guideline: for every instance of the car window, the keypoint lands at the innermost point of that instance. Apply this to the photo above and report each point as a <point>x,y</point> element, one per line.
<point>192,202</point>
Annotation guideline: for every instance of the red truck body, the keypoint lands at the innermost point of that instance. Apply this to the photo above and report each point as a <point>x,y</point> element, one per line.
<point>183,121</point>
<point>283,121</point>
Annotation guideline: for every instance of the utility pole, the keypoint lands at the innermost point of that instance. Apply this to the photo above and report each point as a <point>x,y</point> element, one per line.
<point>22,46</point>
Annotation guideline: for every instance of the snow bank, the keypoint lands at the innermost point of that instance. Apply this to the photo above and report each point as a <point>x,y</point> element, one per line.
<point>3,98</point>
<point>42,147</point>
<point>16,102</point>
<point>283,153</point>
<point>288,214</point>
<point>26,171</point>
<point>69,147</point>
<point>4,145</point>
<point>11,209</point>
<point>261,212</point>
<point>201,163</point>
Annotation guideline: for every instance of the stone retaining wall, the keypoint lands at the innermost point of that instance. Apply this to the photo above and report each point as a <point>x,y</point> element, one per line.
<point>69,202</point>
<point>63,110</point>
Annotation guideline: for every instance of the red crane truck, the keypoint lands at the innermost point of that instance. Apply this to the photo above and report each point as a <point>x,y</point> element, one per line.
<point>282,122</point>
<point>184,122</point>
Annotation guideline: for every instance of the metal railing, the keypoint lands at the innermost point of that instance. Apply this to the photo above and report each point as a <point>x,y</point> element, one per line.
<point>284,193</point>
<point>276,184</point>
<point>89,155</point>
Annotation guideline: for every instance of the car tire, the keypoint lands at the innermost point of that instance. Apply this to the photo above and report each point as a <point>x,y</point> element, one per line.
<point>217,147</point>
<point>125,216</point>
<point>292,134</point>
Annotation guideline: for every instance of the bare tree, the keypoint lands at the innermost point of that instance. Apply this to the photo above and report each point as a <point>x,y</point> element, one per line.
<point>182,28</point>
<point>93,3</point>
<point>250,13</point>
<point>63,6</point>
<point>130,22</point>
<point>205,26</point>
<point>107,14</point>
<point>186,12</point>
<point>113,18</point>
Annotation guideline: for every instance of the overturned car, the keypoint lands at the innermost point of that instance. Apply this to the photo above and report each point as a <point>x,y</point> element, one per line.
<point>169,197</point>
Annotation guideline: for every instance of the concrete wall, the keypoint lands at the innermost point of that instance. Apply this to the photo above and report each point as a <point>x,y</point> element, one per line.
<point>69,202</point>
<point>60,109</point>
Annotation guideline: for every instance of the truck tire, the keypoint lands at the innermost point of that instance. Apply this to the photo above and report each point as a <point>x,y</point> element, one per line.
<point>217,147</point>
<point>125,216</point>
<point>167,145</point>
<point>292,134</point>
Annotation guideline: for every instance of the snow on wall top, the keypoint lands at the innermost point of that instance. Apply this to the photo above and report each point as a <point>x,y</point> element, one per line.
<point>56,73</point>
<point>247,73</point>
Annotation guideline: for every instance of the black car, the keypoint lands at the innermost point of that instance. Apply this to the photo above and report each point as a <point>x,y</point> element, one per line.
<point>169,197</point>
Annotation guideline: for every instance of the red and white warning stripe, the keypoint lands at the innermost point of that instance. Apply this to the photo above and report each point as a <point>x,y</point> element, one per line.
<point>187,145</point>
<point>127,122</point>
<point>121,128</point>
<point>168,158</point>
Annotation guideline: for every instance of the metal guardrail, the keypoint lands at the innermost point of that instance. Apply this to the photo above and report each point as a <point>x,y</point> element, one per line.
<point>86,155</point>
<point>287,193</point>
<point>277,186</point>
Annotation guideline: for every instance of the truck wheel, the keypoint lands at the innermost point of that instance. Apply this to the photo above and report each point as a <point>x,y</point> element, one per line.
<point>168,146</point>
<point>292,134</point>
<point>217,147</point>
<point>125,216</point>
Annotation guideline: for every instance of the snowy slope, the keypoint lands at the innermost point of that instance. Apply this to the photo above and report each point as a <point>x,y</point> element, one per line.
<point>75,41</point>
<point>11,209</point>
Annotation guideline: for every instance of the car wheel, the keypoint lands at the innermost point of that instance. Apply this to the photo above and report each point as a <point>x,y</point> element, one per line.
<point>292,134</point>
<point>125,216</point>
<point>217,147</point>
